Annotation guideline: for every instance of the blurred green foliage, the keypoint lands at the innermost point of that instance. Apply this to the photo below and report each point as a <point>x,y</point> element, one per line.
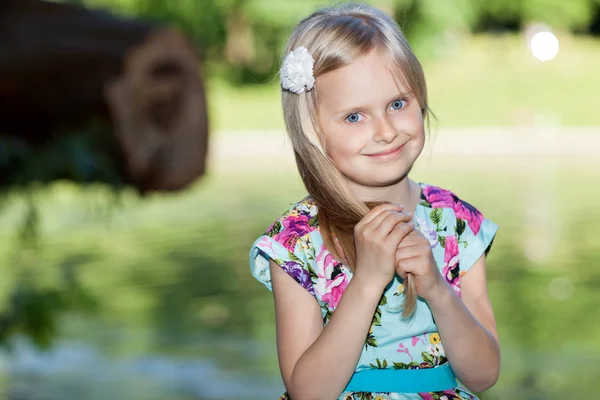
<point>484,80</point>
<point>241,42</point>
<point>242,39</point>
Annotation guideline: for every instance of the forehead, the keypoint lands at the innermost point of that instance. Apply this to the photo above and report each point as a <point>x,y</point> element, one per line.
<point>367,80</point>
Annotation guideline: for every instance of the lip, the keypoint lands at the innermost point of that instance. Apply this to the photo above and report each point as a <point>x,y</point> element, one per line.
<point>384,155</point>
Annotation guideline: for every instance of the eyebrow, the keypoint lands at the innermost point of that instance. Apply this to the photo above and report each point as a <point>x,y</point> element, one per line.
<point>400,95</point>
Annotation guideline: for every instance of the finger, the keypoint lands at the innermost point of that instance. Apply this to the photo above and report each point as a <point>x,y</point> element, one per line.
<point>400,231</point>
<point>407,265</point>
<point>404,253</point>
<point>402,274</point>
<point>409,240</point>
<point>414,238</point>
<point>400,270</point>
<point>388,222</point>
<point>391,217</point>
<point>379,209</point>
<point>418,234</point>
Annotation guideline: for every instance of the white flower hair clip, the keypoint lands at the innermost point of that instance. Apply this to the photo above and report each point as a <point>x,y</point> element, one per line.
<point>296,73</point>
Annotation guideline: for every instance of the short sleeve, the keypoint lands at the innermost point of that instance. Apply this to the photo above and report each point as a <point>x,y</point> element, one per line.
<point>477,239</point>
<point>293,262</point>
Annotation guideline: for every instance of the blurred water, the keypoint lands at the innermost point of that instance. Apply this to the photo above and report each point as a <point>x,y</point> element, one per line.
<point>77,367</point>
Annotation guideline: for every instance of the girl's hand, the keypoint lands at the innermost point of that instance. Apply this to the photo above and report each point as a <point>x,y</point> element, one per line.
<point>377,236</point>
<point>414,256</point>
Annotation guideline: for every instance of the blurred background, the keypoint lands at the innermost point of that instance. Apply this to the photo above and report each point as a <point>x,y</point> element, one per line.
<point>106,294</point>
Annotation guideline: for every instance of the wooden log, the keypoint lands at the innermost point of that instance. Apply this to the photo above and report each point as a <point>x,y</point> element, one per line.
<point>64,68</point>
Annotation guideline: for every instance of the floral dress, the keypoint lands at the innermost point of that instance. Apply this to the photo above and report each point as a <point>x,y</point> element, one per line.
<point>458,234</point>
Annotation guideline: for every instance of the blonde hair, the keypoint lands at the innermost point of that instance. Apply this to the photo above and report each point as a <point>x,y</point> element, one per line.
<point>335,37</point>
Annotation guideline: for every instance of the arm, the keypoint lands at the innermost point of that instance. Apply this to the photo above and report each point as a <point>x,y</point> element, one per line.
<point>317,362</point>
<point>468,329</point>
<point>309,352</point>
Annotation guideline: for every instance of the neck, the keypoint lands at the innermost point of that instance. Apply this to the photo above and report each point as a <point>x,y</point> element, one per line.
<point>406,192</point>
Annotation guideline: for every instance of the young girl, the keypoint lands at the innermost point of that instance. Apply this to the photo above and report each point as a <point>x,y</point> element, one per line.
<point>379,281</point>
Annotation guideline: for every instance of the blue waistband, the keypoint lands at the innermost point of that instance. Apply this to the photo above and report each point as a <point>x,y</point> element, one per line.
<point>403,380</point>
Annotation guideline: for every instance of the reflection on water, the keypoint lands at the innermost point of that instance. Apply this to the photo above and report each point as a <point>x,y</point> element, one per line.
<point>73,368</point>
<point>178,315</point>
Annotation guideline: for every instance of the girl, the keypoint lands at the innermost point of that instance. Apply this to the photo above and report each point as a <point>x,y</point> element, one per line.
<point>378,281</point>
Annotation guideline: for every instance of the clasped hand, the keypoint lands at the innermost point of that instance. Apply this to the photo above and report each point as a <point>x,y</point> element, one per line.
<point>387,243</point>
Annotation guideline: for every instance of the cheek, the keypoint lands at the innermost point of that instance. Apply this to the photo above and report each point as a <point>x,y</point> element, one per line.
<point>419,132</point>
<point>411,124</point>
<point>343,144</point>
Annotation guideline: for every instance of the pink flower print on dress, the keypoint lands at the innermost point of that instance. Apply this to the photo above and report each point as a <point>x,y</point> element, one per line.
<point>416,340</point>
<point>451,268</point>
<point>294,228</point>
<point>467,212</point>
<point>335,290</point>
<point>440,198</point>
<point>332,280</point>
<point>402,349</point>
<point>265,242</point>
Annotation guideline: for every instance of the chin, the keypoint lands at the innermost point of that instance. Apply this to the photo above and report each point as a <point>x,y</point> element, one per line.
<point>387,183</point>
<point>397,177</point>
<point>384,181</point>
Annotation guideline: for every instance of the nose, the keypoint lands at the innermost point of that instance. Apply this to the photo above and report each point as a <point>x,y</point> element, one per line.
<point>384,130</point>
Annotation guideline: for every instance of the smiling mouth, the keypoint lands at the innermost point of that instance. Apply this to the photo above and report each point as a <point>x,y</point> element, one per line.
<point>388,153</point>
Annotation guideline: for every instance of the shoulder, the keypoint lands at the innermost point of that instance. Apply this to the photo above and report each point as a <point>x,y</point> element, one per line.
<point>284,243</point>
<point>435,197</point>
<point>297,222</point>
<point>461,229</point>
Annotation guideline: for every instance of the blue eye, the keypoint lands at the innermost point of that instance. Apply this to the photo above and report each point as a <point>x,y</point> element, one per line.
<point>354,118</point>
<point>398,104</point>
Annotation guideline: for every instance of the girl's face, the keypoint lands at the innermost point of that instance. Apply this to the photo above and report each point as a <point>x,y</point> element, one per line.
<point>373,126</point>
